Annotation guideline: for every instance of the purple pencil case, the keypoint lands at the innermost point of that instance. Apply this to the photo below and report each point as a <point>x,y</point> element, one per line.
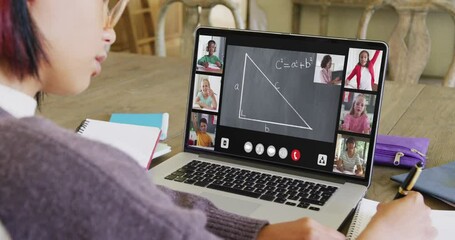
<point>400,151</point>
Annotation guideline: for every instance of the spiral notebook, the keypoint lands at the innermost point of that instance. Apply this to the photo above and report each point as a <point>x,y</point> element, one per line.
<point>442,220</point>
<point>139,142</point>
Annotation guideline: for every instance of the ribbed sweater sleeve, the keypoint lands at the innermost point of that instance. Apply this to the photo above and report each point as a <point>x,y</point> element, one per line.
<point>224,224</point>
<point>55,184</point>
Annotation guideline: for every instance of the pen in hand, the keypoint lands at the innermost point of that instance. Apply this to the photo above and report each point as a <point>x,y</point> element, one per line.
<point>410,180</point>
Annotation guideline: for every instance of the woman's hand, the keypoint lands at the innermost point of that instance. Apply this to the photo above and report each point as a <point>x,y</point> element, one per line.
<point>304,228</point>
<point>211,93</point>
<point>339,164</point>
<point>359,171</point>
<point>405,218</point>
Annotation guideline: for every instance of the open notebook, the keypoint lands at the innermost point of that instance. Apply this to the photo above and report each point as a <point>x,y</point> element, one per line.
<point>139,142</point>
<point>442,220</point>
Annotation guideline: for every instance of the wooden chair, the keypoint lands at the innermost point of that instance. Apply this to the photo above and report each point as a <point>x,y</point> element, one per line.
<point>197,13</point>
<point>410,43</point>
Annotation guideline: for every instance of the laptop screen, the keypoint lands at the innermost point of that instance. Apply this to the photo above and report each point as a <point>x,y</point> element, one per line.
<point>301,101</point>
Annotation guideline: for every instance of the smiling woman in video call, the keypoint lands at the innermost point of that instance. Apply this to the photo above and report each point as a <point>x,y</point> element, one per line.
<point>56,185</point>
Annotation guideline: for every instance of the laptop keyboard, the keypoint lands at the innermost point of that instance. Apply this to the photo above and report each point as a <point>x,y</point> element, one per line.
<point>293,192</point>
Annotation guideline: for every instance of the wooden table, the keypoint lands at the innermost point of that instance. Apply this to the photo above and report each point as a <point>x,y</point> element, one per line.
<point>145,84</point>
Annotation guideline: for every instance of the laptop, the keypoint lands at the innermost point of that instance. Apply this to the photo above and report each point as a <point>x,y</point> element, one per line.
<point>266,138</point>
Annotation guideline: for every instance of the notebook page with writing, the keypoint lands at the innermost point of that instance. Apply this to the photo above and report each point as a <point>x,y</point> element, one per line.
<point>442,220</point>
<point>137,141</point>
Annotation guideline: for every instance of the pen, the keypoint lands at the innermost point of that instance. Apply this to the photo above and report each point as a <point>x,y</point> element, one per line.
<point>410,180</point>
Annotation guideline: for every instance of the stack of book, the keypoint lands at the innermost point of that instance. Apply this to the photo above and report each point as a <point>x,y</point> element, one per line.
<point>159,120</point>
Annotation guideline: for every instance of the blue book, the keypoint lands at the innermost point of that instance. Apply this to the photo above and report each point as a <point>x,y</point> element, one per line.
<point>159,120</point>
<point>438,182</point>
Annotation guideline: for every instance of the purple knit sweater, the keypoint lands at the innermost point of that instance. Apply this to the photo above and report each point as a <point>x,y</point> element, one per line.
<point>55,184</point>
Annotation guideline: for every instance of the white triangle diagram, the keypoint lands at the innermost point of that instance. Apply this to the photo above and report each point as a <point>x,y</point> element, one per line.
<point>265,80</point>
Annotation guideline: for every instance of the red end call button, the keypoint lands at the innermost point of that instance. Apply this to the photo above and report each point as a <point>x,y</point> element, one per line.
<point>295,155</point>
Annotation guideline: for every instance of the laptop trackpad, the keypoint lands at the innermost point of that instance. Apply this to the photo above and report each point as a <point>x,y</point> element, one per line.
<point>232,205</point>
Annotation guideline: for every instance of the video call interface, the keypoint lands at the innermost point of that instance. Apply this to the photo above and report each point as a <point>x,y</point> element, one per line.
<point>298,103</point>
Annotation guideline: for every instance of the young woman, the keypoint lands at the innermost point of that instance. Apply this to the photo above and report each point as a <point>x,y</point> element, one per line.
<point>326,72</point>
<point>56,185</point>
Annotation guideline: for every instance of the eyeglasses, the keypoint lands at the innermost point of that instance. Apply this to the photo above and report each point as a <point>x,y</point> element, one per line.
<point>113,15</point>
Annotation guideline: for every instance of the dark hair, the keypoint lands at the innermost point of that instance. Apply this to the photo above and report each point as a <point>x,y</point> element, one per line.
<point>350,140</point>
<point>203,120</point>
<point>368,61</point>
<point>325,60</point>
<point>211,41</point>
<point>21,50</point>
